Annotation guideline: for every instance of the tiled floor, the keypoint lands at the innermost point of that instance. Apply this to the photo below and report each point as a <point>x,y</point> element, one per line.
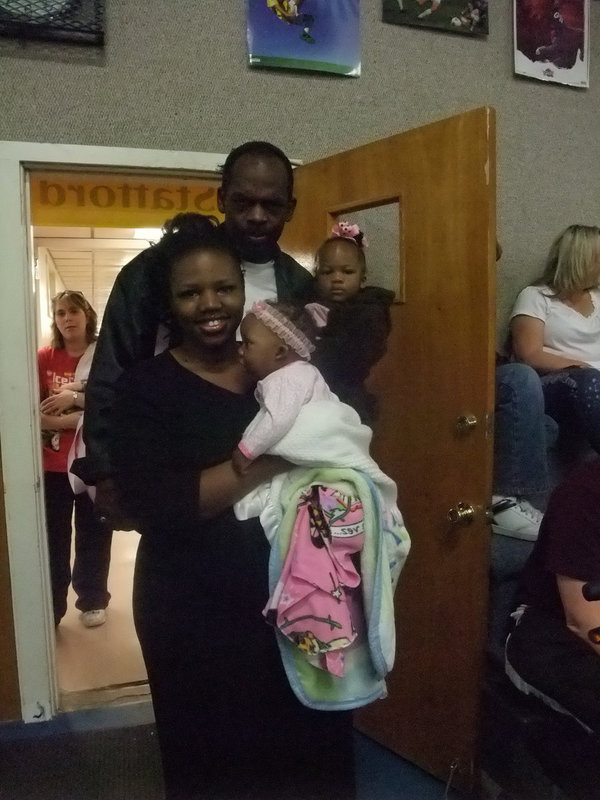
<point>94,663</point>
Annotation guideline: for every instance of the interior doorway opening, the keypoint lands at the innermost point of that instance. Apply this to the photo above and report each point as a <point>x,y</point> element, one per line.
<point>84,227</point>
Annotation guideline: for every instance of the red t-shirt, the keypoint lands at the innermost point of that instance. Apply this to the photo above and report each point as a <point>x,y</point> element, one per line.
<point>56,367</point>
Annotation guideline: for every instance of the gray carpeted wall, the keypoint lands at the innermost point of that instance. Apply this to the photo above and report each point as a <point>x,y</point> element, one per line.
<point>175,76</point>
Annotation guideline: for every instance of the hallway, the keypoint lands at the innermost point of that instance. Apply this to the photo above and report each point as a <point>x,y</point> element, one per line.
<point>103,665</point>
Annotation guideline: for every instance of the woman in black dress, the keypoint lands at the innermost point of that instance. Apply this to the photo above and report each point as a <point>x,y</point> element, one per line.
<point>229,726</point>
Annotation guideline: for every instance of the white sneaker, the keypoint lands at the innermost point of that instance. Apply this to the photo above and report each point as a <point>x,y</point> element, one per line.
<point>91,619</point>
<point>516,518</point>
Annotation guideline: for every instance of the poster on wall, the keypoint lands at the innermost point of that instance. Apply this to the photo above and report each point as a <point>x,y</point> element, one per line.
<point>321,35</point>
<point>457,16</point>
<point>551,40</point>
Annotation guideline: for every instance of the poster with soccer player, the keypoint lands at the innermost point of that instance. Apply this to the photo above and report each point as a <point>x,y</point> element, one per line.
<point>321,35</point>
<point>458,16</point>
<point>551,40</point>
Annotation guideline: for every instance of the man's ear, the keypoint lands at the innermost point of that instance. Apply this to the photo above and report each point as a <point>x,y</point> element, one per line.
<point>220,204</point>
<point>291,209</point>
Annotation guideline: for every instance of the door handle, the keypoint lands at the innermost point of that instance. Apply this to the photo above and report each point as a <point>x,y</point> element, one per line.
<point>461,514</point>
<point>466,423</point>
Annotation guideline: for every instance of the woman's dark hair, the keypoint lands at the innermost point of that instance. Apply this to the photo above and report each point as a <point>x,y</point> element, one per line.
<point>78,300</point>
<point>257,148</point>
<point>189,231</point>
<point>186,233</point>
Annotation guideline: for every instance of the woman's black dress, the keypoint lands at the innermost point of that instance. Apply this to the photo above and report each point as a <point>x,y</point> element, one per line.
<point>227,721</point>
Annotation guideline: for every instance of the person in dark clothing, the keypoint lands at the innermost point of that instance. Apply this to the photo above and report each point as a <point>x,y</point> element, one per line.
<point>229,726</point>
<point>553,650</point>
<point>356,319</point>
<point>256,197</point>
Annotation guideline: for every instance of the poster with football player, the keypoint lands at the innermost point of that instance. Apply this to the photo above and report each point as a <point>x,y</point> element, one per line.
<point>305,34</point>
<point>551,40</point>
<point>458,16</point>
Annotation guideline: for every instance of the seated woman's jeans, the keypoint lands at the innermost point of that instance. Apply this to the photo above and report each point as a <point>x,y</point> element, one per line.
<point>572,398</point>
<point>523,433</point>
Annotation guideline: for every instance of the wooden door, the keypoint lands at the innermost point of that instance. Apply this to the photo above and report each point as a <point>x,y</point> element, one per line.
<point>438,368</point>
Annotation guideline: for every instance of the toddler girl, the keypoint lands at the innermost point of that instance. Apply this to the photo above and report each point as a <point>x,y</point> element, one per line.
<point>355,318</point>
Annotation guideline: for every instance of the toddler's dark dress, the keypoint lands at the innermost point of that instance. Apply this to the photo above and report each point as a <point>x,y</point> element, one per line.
<point>353,340</point>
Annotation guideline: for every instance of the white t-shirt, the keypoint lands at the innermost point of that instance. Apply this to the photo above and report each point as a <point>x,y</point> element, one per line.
<point>566,332</point>
<point>260,282</point>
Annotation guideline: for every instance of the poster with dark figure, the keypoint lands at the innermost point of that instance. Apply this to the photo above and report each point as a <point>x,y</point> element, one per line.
<point>458,16</point>
<point>552,40</point>
<point>322,35</point>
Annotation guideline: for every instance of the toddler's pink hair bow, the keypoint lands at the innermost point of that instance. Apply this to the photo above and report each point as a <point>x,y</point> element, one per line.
<point>347,230</point>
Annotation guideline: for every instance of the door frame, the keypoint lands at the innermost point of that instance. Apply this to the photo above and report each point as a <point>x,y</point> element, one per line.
<point>19,436</point>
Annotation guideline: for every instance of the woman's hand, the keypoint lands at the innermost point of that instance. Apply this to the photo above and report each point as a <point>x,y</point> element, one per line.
<point>60,402</point>
<point>264,468</point>
<point>528,346</point>
<point>74,386</point>
<point>221,486</point>
<point>240,462</point>
<point>63,422</point>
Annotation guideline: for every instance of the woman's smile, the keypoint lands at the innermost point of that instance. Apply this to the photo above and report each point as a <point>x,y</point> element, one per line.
<point>213,325</point>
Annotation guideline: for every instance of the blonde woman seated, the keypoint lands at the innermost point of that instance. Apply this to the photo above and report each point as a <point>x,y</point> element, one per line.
<point>555,328</point>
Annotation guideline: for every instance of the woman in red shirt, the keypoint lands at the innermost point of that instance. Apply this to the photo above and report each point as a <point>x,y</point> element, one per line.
<point>73,332</point>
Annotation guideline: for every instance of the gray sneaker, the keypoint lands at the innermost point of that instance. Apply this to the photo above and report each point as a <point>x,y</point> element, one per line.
<point>515,518</point>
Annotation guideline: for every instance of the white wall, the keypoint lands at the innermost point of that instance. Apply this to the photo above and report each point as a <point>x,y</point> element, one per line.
<point>47,284</point>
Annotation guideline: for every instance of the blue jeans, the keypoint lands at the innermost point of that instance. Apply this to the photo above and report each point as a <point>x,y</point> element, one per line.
<point>523,433</point>
<point>572,398</point>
